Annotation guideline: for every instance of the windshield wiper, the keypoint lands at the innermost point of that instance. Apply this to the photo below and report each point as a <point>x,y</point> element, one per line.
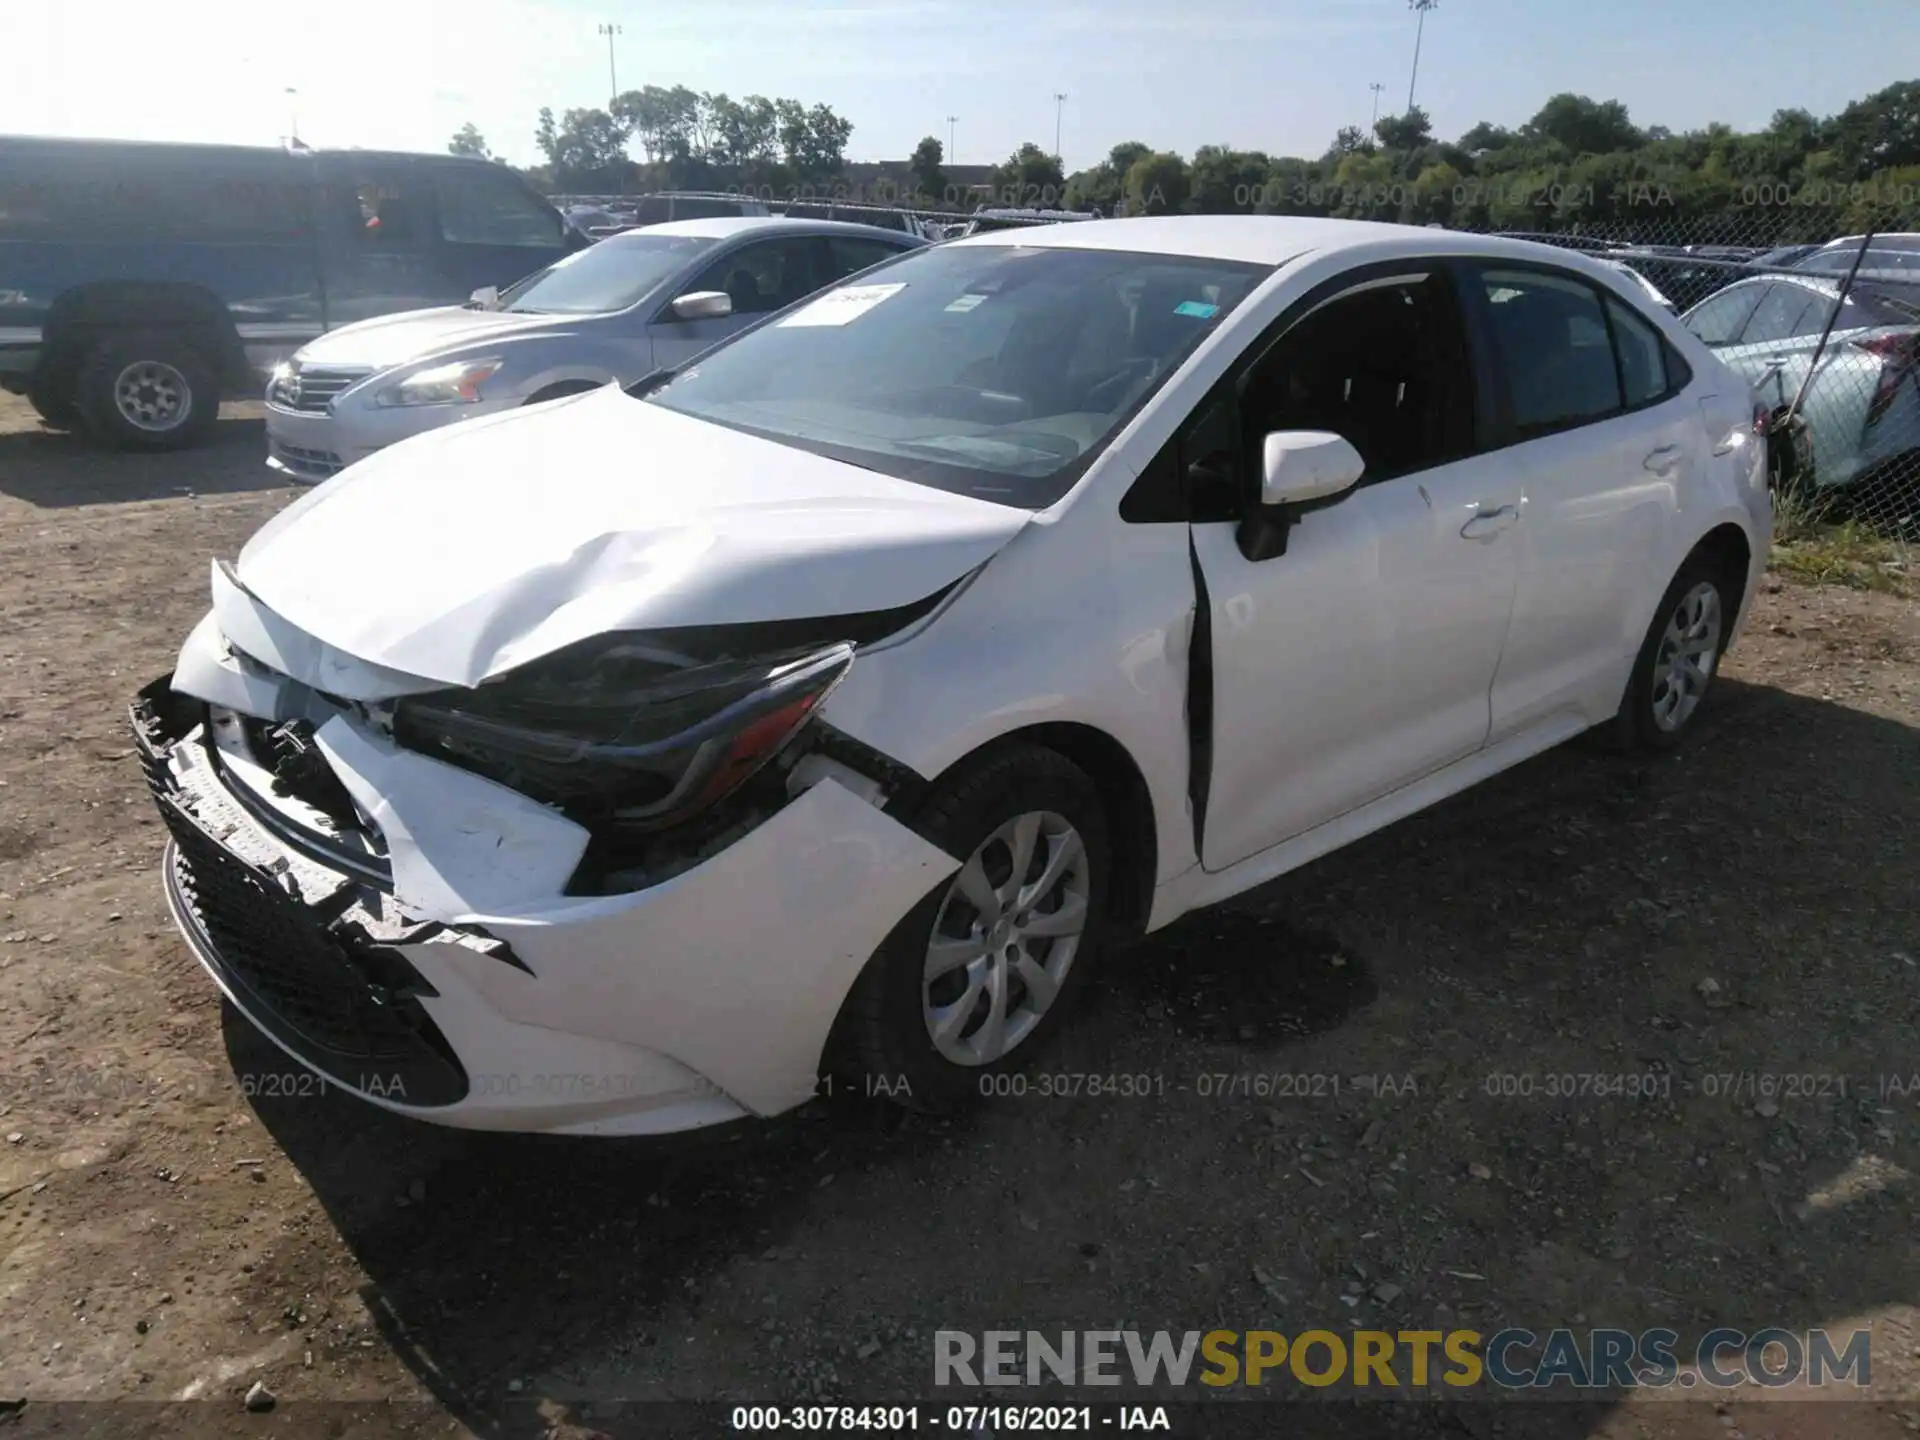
<point>652,381</point>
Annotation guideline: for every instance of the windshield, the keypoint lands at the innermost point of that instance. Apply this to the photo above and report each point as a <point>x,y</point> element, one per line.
<point>608,276</point>
<point>994,370</point>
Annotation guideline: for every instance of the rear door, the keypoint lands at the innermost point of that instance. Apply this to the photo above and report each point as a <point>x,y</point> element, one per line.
<point>1608,448</point>
<point>491,229</point>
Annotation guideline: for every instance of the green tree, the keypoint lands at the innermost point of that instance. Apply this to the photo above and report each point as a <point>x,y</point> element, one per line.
<point>1222,181</point>
<point>468,140</point>
<point>1157,184</point>
<point>1030,178</point>
<point>546,136</point>
<point>661,120</point>
<point>1580,126</point>
<point>1881,131</point>
<point>1404,132</point>
<point>1102,187</point>
<point>929,180</point>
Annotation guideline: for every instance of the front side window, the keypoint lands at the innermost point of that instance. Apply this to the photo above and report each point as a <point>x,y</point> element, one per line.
<point>611,275</point>
<point>1552,340</point>
<point>763,278</point>
<point>481,209</point>
<point>1385,368</point>
<point>993,370</point>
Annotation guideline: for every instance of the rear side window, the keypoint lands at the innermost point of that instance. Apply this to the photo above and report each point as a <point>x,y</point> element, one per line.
<point>1719,321</point>
<point>477,208</point>
<point>850,253</point>
<point>1554,346</point>
<point>1643,356</point>
<point>165,193</point>
<point>379,211</point>
<point>1788,311</point>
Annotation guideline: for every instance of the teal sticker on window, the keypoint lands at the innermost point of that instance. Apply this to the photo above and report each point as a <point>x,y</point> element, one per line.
<point>1198,309</point>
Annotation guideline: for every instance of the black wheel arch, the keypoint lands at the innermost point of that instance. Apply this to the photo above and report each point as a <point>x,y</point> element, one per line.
<point>86,314</point>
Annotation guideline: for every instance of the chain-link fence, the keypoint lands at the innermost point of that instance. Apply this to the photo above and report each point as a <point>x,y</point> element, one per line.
<point>1818,307</point>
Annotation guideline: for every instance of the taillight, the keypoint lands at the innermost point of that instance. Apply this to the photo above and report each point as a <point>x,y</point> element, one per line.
<point>1896,354</point>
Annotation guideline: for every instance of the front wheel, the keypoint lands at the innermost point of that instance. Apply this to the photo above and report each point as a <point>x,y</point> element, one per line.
<point>977,976</point>
<point>1679,658</point>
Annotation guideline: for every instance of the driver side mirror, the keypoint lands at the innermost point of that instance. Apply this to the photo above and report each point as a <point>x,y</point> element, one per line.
<point>1298,467</point>
<point>487,297</point>
<point>703,305</point>
<point>1300,470</point>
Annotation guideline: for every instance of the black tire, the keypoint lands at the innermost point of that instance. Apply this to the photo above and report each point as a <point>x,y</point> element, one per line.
<point>891,1050</point>
<point>57,409</point>
<point>1638,725</point>
<point>185,397</point>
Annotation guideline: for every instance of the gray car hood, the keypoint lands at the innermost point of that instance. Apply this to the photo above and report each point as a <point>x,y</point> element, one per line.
<point>465,551</point>
<point>389,340</point>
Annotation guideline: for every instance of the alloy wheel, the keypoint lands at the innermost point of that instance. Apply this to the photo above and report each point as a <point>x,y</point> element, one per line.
<point>1684,663</point>
<point>151,395</point>
<point>1005,937</point>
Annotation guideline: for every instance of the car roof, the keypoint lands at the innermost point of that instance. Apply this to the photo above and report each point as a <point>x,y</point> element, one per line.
<point>1270,239</point>
<point>724,227</point>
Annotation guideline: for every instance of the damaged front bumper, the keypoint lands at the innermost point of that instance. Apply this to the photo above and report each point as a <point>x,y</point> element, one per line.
<point>437,968</point>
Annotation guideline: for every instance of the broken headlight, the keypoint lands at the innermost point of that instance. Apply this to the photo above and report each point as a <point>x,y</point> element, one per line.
<point>625,730</point>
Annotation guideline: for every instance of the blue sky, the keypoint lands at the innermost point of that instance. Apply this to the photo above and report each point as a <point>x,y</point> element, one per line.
<point>1280,75</point>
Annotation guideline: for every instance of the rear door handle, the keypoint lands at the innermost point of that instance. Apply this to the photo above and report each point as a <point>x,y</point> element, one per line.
<point>1662,460</point>
<point>1489,523</point>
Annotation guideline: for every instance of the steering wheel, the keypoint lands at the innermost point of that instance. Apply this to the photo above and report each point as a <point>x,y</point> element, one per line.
<point>1107,392</point>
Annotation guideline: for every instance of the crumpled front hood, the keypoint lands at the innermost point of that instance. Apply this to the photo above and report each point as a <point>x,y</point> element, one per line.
<point>468,550</point>
<point>389,340</point>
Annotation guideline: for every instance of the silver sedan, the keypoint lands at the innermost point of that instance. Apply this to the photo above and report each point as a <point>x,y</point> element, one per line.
<point>633,303</point>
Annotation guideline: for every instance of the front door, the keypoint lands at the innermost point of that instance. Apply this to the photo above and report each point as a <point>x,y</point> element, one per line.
<point>1361,659</point>
<point>759,277</point>
<point>492,230</point>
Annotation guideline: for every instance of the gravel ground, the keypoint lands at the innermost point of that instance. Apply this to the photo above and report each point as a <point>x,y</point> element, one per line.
<point>181,1216</point>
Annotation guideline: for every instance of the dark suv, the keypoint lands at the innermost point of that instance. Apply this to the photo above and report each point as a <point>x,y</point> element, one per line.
<point>139,283</point>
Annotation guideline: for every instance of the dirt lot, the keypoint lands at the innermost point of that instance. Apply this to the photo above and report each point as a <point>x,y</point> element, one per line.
<point>181,1215</point>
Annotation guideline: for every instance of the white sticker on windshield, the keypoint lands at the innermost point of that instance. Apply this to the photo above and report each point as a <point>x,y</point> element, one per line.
<point>966,303</point>
<point>838,307</point>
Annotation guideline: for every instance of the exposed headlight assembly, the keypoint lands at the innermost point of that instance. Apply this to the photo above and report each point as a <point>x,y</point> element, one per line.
<point>625,731</point>
<point>455,383</point>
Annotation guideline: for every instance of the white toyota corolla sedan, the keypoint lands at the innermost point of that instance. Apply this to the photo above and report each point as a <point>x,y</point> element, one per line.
<point>627,763</point>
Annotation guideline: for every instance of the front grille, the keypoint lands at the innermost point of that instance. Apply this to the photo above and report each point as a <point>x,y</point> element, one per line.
<point>348,1008</point>
<point>310,388</point>
<point>309,464</point>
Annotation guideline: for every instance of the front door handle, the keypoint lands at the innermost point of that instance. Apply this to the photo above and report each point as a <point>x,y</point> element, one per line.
<point>1489,523</point>
<point>1662,460</point>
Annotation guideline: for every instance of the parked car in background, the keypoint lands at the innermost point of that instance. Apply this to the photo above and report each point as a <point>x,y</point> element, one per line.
<point>982,222</point>
<point>828,707</point>
<point>1893,256</point>
<point>635,302</point>
<point>1863,407</point>
<point>1782,257</point>
<point>887,217</point>
<point>668,205</point>
<point>139,283</point>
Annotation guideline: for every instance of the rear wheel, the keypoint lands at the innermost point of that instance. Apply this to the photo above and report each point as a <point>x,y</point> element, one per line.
<point>1679,658</point>
<point>148,390</point>
<point>978,975</point>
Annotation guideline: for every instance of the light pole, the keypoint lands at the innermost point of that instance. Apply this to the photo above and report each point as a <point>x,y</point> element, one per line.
<point>613,85</point>
<point>1059,104</point>
<point>1376,87</point>
<point>293,115</point>
<point>1420,7</point>
<point>951,121</point>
